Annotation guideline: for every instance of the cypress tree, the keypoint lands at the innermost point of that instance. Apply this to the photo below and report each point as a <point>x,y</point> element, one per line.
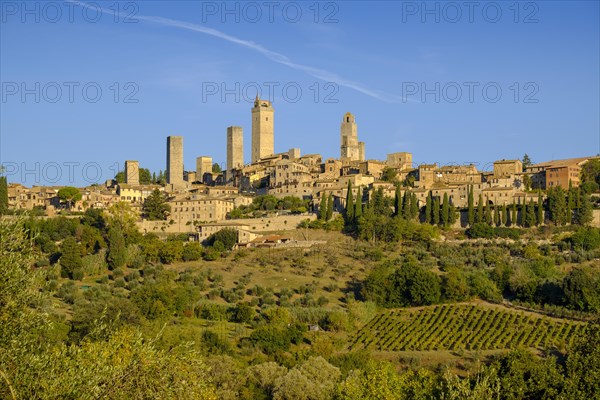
<point>414,206</point>
<point>452,214</point>
<point>584,214</point>
<point>513,217</point>
<point>488,213</point>
<point>428,206</point>
<point>504,215</point>
<point>377,203</point>
<point>557,205</point>
<point>436,210</point>
<point>471,208</point>
<point>406,205</point>
<point>397,203</point>
<point>329,208</point>
<point>523,219</point>
<point>497,216</point>
<point>117,250</point>
<point>3,195</point>
<point>570,203</point>
<point>323,207</point>
<point>540,209</point>
<point>531,219</point>
<point>358,205</point>
<point>349,204</point>
<point>479,216</point>
<point>445,210</point>
<point>70,259</point>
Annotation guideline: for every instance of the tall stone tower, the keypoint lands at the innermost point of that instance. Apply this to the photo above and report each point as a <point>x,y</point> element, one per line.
<point>235,147</point>
<point>175,160</point>
<point>203,165</point>
<point>132,172</point>
<point>349,148</point>
<point>262,129</point>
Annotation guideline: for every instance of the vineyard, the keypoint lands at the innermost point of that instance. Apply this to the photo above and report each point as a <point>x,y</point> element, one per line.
<point>462,326</point>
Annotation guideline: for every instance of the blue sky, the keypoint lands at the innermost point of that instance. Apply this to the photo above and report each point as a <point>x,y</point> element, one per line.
<point>374,59</point>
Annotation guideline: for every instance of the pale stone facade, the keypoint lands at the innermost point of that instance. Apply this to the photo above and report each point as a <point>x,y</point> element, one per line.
<point>235,147</point>
<point>135,194</point>
<point>507,168</point>
<point>372,167</point>
<point>288,172</point>
<point>263,140</point>
<point>132,172</point>
<point>203,166</point>
<point>21,197</point>
<point>361,151</point>
<point>294,153</point>
<point>175,161</point>
<point>245,235</point>
<point>400,160</point>
<point>431,175</point>
<point>203,209</point>
<point>349,148</point>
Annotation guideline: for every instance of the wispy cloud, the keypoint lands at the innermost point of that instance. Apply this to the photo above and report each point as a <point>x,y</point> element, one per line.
<point>274,56</point>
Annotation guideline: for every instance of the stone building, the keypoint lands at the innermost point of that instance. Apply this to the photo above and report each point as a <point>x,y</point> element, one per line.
<point>557,172</point>
<point>507,168</point>
<point>235,147</point>
<point>135,194</point>
<point>245,235</point>
<point>132,172</point>
<point>294,153</point>
<point>263,140</point>
<point>175,161</point>
<point>203,166</point>
<point>185,211</point>
<point>400,160</point>
<point>21,197</point>
<point>372,167</point>
<point>431,175</point>
<point>288,172</point>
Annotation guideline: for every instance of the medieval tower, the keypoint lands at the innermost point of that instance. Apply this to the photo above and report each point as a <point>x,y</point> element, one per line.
<point>262,129</point>
<point>235,147</point>
<point>175,160</point>
<point>132,172</point>
<point>349,147</point>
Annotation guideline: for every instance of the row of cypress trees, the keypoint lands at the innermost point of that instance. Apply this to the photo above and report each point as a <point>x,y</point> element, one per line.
<point>572,206</point>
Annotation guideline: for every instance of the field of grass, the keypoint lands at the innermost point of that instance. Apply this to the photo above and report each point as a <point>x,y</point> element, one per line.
<point>325,270</point>
<point>462,326</point>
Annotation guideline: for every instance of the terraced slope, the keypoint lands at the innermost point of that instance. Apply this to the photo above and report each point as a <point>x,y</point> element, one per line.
<point>462,326</point>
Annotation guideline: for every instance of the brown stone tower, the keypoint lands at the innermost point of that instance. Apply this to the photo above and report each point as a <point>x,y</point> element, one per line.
<point>263,140</point>
<point>132,172</point>
<point>175,160</point>
<point>203,165</point>
<point>235,147</point>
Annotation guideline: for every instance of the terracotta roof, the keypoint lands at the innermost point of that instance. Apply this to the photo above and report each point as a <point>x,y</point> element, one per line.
<point>270,238</point>
<point>564,162</point>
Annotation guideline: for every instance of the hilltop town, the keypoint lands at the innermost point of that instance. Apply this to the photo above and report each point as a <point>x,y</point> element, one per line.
<point>203,200</point>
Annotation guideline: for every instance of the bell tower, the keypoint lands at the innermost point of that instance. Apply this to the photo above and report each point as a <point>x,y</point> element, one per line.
<point>349,147</point>
<point>263,137</point>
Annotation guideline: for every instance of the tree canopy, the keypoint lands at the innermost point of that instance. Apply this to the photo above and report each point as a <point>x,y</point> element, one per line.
<point>69,195</point>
